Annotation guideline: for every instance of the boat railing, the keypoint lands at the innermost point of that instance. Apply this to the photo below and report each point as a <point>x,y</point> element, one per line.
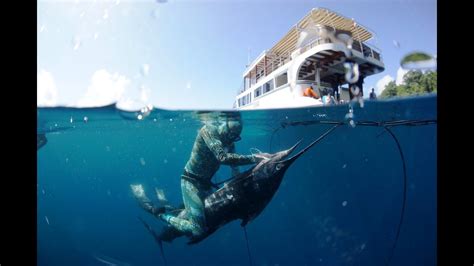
<point>315,42</point>
<point>275,61</point>
<point>366,49</point>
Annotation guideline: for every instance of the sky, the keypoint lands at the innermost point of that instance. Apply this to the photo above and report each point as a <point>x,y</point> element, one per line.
<point>190,54</point>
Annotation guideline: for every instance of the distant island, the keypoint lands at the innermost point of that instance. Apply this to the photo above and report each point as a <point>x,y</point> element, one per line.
<point>414,83</point>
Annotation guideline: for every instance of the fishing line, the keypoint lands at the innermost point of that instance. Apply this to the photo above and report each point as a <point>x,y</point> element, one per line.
<point>386,125</point>
<point>271,138</point>
<point>160,243</point>
<point>402,214</point>
<point>248,248</point>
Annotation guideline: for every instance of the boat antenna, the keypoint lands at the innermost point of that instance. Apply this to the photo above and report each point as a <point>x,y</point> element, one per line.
<point>248,57</point>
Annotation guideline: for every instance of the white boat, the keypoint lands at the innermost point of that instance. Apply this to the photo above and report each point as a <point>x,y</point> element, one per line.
<point>315,52</point>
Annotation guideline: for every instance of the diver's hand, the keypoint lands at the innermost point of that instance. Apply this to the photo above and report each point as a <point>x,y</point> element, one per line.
<point>262,156</point>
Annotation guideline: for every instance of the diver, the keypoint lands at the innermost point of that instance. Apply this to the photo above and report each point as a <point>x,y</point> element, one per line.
<point>214,145</point>
<point>41,140</point>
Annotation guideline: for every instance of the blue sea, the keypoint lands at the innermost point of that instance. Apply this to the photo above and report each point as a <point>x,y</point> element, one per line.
<point>339,204</point>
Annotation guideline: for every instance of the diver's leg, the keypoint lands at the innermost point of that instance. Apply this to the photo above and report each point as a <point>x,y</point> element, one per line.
<point>194,220</point>
<point>185,226</point>
<point>144,201</point>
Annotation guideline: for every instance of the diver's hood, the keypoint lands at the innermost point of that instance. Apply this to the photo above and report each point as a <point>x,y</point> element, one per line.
<point>229,131</point>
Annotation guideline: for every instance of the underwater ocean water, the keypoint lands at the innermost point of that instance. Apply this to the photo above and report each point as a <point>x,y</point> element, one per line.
<point>339,204</point>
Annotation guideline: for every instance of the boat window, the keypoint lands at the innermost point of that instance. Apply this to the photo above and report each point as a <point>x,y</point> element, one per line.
<point>247,83</point>
<point>246,99</point>
<point>281,79</point>
<point>267,86</point>
<point>257,92</point>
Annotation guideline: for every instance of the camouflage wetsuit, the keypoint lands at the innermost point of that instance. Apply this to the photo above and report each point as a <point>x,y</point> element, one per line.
<point>211,149</point>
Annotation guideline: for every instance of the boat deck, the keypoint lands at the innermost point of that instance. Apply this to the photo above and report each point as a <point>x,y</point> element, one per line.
<point>280,53</point>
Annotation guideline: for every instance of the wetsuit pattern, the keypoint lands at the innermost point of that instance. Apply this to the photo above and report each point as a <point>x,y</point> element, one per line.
<point>208,153</point>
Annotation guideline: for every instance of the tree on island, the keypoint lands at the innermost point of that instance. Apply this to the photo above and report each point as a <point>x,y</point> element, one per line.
<point>414,83</point>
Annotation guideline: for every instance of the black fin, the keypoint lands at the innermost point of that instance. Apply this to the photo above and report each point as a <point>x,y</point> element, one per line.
<point>156,237</point>
<point>169,233</point>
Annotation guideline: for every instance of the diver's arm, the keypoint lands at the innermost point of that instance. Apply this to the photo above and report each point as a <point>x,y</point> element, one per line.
<point>234,168</point>
<point>215,145</point>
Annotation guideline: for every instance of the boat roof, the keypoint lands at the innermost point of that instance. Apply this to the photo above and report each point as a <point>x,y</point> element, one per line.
<point>321,16</point>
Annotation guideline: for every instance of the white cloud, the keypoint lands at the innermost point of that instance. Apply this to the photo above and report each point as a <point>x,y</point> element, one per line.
<point>145,94</point>
<point>188,85</point>
<point>400,73</point>
<point>105,89</point>
<point>128,104</point>
<point>380,85</point>
<point>133,100</point>
<point>47,93</point>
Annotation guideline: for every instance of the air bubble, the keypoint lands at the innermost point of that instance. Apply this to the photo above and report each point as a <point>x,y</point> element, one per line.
<point>352,123</point>
<point>396,43</point>
<point>361,102</point>
<point>145,69</point>
<point>106,14</point>
<point>351,72</point>
<point>76,42</point>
